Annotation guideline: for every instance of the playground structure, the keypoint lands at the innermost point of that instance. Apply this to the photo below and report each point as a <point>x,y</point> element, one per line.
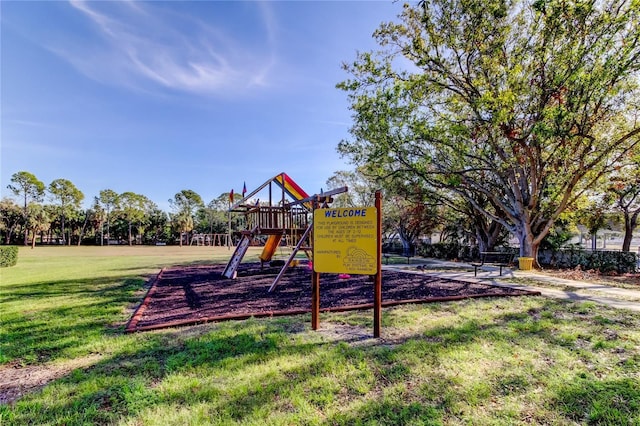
<point>287,213</point>
<point>171,305</point>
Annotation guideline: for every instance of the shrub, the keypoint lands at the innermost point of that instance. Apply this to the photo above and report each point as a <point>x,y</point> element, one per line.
<point>457,251</point>
<point>449,251</point>
<point>601,260</point>
<point>442,250</point>
<point>568,257</point>
<point>8,256</point>
<point>608,261</point>
<point>396,247</point>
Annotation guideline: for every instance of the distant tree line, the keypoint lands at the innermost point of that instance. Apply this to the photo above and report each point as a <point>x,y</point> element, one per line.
<point>52,214</point>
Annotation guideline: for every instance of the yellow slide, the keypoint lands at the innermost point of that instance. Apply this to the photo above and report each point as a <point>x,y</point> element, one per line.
<point>270,247</point>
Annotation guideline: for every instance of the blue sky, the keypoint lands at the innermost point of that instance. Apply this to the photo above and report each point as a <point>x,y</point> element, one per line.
<point>156,97</point>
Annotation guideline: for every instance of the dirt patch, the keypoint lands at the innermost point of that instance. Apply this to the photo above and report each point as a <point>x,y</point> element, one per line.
<point>17,380</point>
<point>188,295</point>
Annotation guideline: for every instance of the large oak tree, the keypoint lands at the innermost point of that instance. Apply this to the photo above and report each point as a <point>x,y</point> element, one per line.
<point>523,103</point>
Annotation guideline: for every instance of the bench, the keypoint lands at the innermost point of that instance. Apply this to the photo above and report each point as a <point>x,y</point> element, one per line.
<point>404,253</point>
<point>495,258</point>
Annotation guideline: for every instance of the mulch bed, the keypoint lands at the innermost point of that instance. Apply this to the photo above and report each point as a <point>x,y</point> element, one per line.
<point>197,294</point>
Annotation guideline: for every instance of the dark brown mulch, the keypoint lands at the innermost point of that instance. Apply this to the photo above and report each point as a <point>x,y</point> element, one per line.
<point>199,293</point>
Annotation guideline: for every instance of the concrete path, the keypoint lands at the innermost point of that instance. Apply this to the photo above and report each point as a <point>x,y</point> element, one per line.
<point>548,286</point>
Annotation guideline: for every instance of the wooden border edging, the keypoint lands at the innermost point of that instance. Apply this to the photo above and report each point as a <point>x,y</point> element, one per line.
<point>133,322</point>
<point>132,326</point>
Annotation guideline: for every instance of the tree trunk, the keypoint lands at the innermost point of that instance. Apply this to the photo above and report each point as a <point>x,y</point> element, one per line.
<point>482,242</point>
<point>33,240</point>
<point>487,236</point>
<point>130,243</point>
<point>12,230</point>
<point>406,247</point>
<point>84,227</point>
<point>630,223</point>
<point>528,248</point>
<point>26,218</point>
<point>62,228</point>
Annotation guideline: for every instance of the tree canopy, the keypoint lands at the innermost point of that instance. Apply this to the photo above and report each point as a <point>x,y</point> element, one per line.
<point>29,188</point>
<point>132,208</point>
<point>523,104</point>
<point>68,197</point>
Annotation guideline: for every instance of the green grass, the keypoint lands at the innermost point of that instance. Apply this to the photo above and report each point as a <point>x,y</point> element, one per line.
<point>526,360</point>
<point>80,295</point>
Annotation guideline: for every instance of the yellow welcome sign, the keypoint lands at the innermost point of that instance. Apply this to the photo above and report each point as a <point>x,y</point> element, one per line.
<point>345,240</point>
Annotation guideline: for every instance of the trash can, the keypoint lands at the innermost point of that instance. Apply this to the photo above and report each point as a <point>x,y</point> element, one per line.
<point>525,263</point>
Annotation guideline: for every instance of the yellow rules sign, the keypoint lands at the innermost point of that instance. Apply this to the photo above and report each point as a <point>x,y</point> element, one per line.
<point>345,240</point>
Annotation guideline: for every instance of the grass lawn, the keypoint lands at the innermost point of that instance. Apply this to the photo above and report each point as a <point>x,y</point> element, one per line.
<point>524,360</point>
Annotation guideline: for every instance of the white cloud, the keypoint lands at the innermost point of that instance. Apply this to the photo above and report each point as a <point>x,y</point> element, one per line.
<point>143,46</point>
<point>28,123</point>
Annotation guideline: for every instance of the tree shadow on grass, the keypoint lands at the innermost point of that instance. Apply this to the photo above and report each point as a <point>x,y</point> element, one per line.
<point>125,384</point>
<point>275,371</point>
<point>87,286</point>
<point>43,320</point>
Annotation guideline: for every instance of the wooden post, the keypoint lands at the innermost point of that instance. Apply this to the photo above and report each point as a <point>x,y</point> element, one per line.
<point>377,290</point>
<point>315,300</point>
<point>229,229</point>
<point>315,282</point>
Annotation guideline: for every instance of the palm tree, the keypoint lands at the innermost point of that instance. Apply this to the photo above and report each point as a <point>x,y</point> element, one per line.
<point>132,208</point>
<point>98,217</point>
<point>184,221</point>
<point>38,221</point>
<point>27,186</point>
<point>68,196</point>
<point>109,199</point>
<point>186,203</point>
